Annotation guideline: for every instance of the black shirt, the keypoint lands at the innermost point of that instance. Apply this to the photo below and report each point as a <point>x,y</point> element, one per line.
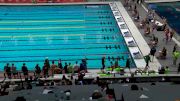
<point>60,65</point>
<point>38,69</point>
<point>7,68</point>
<point>24,69</point>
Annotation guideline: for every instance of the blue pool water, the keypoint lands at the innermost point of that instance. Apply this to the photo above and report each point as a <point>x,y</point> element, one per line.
<point>29,34</point>
<point>171,11</point>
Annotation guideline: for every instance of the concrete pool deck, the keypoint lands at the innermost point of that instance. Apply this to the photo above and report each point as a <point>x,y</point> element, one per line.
<point>169,46</point>
<point>141,43</point>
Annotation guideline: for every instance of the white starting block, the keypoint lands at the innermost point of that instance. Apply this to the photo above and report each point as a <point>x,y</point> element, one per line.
<point>131,43</point>
<point>123,26</point>
<point>116,13</point>
<point>114,8</point>
<point>119,19</point>
<point>137,55</point>
<point>127,34</point>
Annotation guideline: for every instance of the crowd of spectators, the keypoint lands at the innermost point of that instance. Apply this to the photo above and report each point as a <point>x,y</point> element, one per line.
<point>150,24</point>
<point>46,70</point>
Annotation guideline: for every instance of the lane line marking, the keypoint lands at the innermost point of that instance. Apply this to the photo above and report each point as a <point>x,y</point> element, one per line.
<point>31,36</point>
<point>40,21</point>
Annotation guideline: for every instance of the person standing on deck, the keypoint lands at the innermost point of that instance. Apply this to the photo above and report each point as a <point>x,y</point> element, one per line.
<point>60,64</point>
<point>178,68</point>
<point>152,52</point>
<point>76,67</point>
<point>65,68</point>
<point>128,63</point>
<point>176,55</point>
<point>7,70</point>
<point>116,63</point>
<point>37,70</point>
<point>47,63</point>
<point>14,71</point>
<point>174,48</point>
<point>25,70</point>
<point>103,62</point>
<point>53,67</point>
<point>147,60</point>
<point>45,70</point>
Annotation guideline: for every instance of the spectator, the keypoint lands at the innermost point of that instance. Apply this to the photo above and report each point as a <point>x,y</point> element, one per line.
<point>25,70</point>
<point>116,63</point>
<point>154,41</point>
<point>178,68</point>
<point>142,24</point>
<point>65,68</point>
<point>134,12</point>
<point>37,70</point>
<point>150,15</point>
<point>76,67</point>
<point>162,27</point>
<point>166,70</point>
<point>176,55</point>
<point>47,63</point>
<point>162,70</point>
<point>152,52</point>
<point>60,64</point>
<point>128,63</point>
<point>20,99</point>
<point>153,26</point>
<point>166,34</point>
<point>137,17</point>
<point>174,48</point>
<point>147,30</point>
<point>163,53</point>
<point>53,67</point>
<point>70,68</point>
<point>81,75</point>
<point>147,59</point>
<point>96,95</point>
<point>7,70</point>
<point>14,71</point>
<point>64,77</point>
<point>103,62</point>
<point>45,71</point>
<point>83,65</point>
<point>3,88</point>
<point>171,34</point>
<point>112,66</point>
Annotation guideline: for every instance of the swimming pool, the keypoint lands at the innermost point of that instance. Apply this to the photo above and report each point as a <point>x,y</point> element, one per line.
<point>171,11</point>
<point>29,34</point>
